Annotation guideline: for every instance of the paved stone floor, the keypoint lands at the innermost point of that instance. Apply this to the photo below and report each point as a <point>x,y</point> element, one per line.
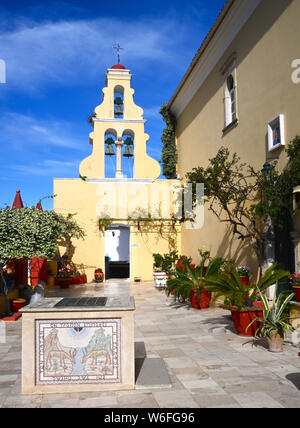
<point>208,363</point>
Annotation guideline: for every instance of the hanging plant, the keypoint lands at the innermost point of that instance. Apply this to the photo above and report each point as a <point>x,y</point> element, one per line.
<point>169,151</point>
<point>103,223</point>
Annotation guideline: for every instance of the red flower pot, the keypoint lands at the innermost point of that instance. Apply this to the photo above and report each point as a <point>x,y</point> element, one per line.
<point>258,303</point>
<point>297,293</point>
<point>203,303</point>
<point>180,265</point>
<point>79,279</point>
<point>64,282</point>
<point>241,320</point>
<point>18,304</point>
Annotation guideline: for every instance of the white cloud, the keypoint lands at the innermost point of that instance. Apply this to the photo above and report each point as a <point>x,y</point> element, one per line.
<point>22,132</point>
<point>76,51</point>
<point>152,112</point>
<point>48,168</point>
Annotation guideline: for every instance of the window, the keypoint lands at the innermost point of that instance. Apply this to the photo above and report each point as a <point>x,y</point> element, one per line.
<point>276,137</point>
<point>230,100</point>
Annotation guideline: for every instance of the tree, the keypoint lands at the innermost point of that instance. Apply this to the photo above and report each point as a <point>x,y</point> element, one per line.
<point>27,233</point>
<point>70,230</point>
<point>245,198</point>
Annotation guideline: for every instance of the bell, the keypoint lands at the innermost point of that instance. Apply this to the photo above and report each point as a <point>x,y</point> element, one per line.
<point>128,141</point>
<point>109,150</point>
<point>128,152</point>
<point>118,110</point>
<point>110,141</point>
<point>119,101</point>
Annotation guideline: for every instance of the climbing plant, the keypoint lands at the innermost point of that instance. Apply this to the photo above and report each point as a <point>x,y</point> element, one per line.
<point>169,151</point>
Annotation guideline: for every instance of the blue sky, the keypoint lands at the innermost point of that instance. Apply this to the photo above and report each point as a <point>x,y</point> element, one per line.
<point>56,56</point>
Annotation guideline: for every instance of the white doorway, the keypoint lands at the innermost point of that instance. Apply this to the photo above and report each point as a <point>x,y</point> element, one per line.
<point>117,252</point>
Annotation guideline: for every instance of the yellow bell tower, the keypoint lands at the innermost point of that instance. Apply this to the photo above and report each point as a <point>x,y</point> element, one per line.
<point>107,200</point>
<point>119,131</point>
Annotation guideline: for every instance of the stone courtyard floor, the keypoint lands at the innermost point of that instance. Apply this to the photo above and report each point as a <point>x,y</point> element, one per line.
<point>208,364</point>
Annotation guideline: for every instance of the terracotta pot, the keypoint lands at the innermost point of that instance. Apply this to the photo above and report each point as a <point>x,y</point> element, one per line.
<point>79,279</point>
<point>296,290</point>
<point>64,282</point>
<point>241,320</point>
<point>244,280</point>
<point>180,266</point>
<point>203,303</point>
<point>275,342</point>
<point>258,303</point>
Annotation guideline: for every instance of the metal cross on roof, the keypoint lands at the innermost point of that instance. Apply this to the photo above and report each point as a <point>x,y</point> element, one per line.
<point>118,48</point>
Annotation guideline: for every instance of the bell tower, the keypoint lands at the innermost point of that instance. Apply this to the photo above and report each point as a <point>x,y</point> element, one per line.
<point>118,139</point>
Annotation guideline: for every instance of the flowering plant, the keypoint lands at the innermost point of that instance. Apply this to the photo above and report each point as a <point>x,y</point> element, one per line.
<point>295,279</point>
<point>65,273</point>
<point>243,270</point>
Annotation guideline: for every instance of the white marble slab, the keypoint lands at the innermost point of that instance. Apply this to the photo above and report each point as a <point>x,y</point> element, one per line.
<point>121,303</point>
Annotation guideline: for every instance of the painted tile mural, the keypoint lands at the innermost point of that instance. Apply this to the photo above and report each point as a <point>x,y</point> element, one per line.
<point>78,351</point>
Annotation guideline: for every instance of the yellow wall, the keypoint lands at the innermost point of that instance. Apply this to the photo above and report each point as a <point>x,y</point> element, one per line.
<point>93,200</point>
<point>265,49</point>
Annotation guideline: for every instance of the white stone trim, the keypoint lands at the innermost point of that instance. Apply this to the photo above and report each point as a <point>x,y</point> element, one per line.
<point>280,121</point>
<point>120,120</point>
<point>123,180</point>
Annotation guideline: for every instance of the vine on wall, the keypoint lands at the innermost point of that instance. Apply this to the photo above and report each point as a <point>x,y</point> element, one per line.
<point>169,151</point>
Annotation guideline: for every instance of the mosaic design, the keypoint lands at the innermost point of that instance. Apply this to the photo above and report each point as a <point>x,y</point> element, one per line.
<point>78,351</point>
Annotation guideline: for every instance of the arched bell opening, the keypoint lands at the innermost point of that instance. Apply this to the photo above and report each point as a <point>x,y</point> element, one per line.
<point>110,137</point>
<point>119,102</point>
<point>128,153</point>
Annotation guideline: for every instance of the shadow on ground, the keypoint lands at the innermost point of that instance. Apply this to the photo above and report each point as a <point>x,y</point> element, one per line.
<point>295,379</point>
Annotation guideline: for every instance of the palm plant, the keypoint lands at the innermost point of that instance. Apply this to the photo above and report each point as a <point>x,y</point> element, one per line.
<point>235,292</point>
<point>188,280</point>
<point>275,319</point>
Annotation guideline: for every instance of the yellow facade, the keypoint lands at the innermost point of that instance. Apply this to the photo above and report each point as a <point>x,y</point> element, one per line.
<point>257,42</point>
<point>122,199</point>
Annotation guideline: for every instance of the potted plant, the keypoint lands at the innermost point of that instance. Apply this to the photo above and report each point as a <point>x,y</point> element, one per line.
<point>275,321</point>
<point>243,272</point>
<point>99,275</point>
<point>241,299</point>
<point>295,283</point>
<point>163,266</point>
<point>183,261</point>
<point>188,284</point>
<point>64,277</point>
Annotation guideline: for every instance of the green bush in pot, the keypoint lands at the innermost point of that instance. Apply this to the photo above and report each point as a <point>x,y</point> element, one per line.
<point>235,292</point>
<point>241,299</point>
<point>189,280</point>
